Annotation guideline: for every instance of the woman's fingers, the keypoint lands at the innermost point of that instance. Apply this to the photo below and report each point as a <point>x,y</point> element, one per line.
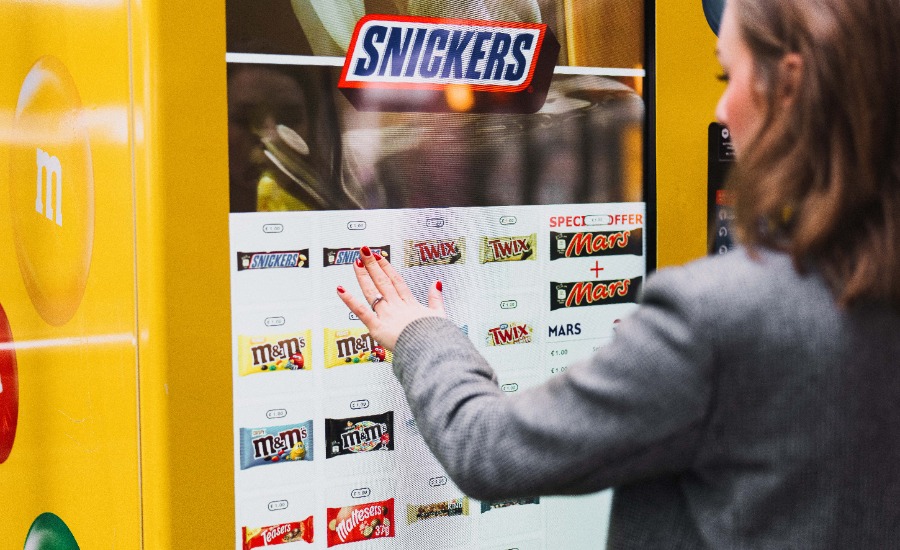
<point>366,284</point>
<point>379,278</point>
<point>399,283</point>
<point>436,299</point>
<point>363,311</point>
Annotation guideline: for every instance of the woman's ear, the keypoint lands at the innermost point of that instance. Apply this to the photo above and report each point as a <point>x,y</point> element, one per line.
<point>790,73</point>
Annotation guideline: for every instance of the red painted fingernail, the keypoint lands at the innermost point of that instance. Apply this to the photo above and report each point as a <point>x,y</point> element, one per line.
<point>439,286</point>
<point>358,262</point>
<point>377,257</point>
<point>341,289</point>
<point>365,251</point>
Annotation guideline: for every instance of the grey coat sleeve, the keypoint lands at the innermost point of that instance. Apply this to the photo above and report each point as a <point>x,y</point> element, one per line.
<point>635,409</point>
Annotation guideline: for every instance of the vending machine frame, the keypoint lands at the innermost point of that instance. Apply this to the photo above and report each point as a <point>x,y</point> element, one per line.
<point>121,434</point>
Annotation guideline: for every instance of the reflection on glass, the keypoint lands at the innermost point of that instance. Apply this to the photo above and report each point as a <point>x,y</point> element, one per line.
<point>297,144</point>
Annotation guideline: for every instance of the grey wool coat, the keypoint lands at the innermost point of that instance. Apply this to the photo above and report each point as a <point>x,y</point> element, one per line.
<point>738,407</point>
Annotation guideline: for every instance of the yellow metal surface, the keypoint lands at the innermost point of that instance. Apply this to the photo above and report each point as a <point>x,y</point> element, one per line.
<point>686,97</point>
<point>67,279</point>
<point>183,275</point>
<point>124,352</point>
<point>114,255</point>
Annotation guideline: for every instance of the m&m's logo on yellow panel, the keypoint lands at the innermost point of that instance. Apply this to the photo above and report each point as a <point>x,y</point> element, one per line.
<point>52,191</point>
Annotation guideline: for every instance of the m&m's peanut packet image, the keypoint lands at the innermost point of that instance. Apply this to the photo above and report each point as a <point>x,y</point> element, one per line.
<point>281,352</point>
<point>287,443</point>
<point>282,533</point>
<point>349,346</point>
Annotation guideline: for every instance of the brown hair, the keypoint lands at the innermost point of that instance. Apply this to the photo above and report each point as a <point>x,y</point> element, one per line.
<point>822,179</point>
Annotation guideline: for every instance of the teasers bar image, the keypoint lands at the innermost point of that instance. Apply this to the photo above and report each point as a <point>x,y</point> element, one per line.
<point>594,293</point>
<point>282,533</point>
<point>596,243</point>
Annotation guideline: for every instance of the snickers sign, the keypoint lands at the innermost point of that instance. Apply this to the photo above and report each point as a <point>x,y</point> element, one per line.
<point>398,63</point>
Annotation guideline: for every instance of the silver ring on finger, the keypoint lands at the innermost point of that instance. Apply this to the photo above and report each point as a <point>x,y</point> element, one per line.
<point>378,298</point>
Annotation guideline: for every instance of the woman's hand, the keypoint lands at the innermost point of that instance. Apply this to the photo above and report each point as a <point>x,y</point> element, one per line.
<point>390,305</point>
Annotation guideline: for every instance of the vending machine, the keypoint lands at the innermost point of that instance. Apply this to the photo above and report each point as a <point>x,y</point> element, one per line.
<point>184,185</point>
<point>495,146</point>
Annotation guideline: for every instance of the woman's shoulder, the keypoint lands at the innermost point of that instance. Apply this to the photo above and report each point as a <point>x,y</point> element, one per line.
<point>741,282</point>
<point>738,266</point>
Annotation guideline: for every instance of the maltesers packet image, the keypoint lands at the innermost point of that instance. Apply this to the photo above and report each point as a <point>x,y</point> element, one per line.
<point>360,522</point>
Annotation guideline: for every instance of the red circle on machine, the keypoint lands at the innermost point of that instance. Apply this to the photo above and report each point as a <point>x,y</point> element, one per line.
<point>9,389</point>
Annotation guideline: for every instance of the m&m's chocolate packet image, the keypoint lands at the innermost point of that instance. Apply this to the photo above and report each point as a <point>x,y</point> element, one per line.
<point>282,533</point>
<point>346,256</point>
<point>272,260</point>
<point>280,352</point>
<point>360,522</point>
<point>286,443</point>
<point>347,436</point>
<point>351,346</point>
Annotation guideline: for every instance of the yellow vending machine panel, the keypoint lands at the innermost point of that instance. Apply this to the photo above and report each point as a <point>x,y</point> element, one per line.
<point>69,474</point>
<point>117,422</point>
<point>687,92</point>
<point>110,430</point>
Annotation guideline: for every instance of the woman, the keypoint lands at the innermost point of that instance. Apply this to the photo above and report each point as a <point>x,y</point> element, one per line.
<point>753,399</point>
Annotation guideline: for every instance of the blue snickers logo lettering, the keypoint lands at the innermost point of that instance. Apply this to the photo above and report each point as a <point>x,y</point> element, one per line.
<point>412,54</point>
<point>345,257</point>
<point>270,260</point>
<point>419,54</point>
<point>263,261</point>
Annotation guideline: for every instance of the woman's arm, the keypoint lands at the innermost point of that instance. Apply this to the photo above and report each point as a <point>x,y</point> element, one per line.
<point>634,409</point>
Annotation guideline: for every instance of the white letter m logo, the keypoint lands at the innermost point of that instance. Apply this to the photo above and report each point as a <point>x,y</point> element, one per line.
<point>49,170</point>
